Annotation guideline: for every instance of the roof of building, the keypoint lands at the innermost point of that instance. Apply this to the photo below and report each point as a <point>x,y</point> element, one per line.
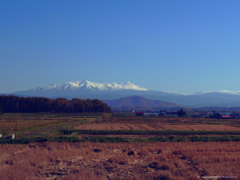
<point>225,116</point>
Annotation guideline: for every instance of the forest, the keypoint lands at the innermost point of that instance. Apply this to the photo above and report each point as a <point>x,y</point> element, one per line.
<point>9,104</point>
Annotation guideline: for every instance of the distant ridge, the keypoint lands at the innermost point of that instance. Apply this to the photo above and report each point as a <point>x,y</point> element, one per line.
<point>138,101</point>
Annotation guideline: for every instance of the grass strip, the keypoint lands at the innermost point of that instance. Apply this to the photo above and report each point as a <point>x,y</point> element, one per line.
<point>137,132</point>
<point>121,140</point>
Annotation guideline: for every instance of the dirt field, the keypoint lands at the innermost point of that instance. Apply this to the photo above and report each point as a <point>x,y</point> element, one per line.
<point>117,126</point>
<point>203,127</point>
<point>137,126</point>
<point>120,161</point>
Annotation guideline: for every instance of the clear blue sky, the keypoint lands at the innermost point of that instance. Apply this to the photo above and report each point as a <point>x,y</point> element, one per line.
<point>179,45</point>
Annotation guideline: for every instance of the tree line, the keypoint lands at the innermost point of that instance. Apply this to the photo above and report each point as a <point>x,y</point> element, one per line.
<point>12,103</point>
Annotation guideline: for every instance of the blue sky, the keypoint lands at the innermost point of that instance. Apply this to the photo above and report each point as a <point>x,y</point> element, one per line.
<point>186,46</point>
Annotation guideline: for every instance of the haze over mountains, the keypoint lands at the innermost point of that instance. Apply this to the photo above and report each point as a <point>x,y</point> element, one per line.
<point>113,91</point>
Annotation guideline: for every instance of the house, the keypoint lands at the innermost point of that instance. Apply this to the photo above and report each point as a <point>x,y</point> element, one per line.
<point>225,115</point>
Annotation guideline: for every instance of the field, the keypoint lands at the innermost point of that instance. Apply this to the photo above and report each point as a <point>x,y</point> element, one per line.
<point>26,125</point>
<point>131,147</point>
<point>137,126</point>
<point>118,126</point>
<point>120,161</point>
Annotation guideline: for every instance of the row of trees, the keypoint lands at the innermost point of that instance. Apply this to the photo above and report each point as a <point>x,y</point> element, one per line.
<point>1,110</point>
<point>41,104</point>
<point>181,113</point>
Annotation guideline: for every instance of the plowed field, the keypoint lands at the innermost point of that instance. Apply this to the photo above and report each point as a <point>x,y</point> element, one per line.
<point>117,126</point>
<point>137,126</point>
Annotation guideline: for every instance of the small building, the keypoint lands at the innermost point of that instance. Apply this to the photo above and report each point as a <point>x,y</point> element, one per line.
<point>225,116</point>
<point>222,115</point>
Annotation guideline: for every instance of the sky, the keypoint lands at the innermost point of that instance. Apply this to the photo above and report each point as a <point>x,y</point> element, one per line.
<point>186,46</point>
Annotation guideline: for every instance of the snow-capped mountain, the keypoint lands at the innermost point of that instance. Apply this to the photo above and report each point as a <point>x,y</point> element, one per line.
<point>93,86</point>
<point>71,88</point>
<point>113,91</point>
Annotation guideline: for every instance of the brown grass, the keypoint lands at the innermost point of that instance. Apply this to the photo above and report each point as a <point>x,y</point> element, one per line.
<point>119,160</point>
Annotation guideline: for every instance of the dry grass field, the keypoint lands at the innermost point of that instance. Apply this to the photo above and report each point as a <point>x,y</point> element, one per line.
<point>120,161</point>
<point>113,161</point>
<point>149,126</point>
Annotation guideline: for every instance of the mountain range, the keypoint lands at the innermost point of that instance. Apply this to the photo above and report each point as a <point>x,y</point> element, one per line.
<point>138,102</point>
<point>113,91</point>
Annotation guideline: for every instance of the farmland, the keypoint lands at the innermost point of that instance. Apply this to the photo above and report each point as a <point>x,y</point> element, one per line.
<point>90,146</point>
<point>118,126</point>
<point>137,126</point>
<point>120,160</point>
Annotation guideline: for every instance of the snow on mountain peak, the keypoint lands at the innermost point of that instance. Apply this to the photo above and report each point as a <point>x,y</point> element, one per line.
<point>94,86</point>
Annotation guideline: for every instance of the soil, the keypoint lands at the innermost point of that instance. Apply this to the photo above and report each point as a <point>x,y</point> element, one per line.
<point>118,126</point>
